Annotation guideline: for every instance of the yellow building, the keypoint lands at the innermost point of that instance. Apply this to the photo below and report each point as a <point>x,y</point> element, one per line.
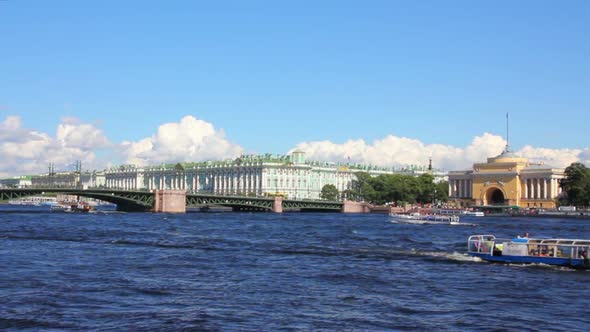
<point>506,181</point>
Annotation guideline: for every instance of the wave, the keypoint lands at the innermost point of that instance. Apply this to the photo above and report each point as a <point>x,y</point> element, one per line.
<point>356,277</point>
<point>152,291</point>
<point>45,238</point>
<point>29,323</point>
<point>165,245</point>
<point>454,256</point>
<point>420,241</point>
<point>387,254</point>
<point>545,267</point>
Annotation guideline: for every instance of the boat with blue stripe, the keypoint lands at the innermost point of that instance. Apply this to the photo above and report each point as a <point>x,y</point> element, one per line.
<point>551,251</point>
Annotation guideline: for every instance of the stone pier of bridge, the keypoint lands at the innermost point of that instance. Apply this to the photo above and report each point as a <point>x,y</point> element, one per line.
<point>170,201</point>
<point>355,207</point>
<point>277,204</point>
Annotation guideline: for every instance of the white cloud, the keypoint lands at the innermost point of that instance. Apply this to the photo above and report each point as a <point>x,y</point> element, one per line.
<point>10,128</point>
<point>402,151</point>
<point>25,151</point>
<point>585,156</point>
<point>11,123</point>
<point>190,139</point>
<point>81,136</point>
<point>554,157</point>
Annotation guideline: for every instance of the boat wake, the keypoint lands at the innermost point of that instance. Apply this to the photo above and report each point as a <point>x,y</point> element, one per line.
<point>463,224</point>
<point>454,256</point>
<point>546,266</point>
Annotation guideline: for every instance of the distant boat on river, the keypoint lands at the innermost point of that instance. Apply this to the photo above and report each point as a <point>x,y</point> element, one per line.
<point>459,212</point>
<point>34,201</point>
<point>78,207</point>
<point>418,218</point>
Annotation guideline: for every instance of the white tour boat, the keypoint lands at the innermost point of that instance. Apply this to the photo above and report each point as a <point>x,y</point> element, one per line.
<point>417,218</point>
<point>551,251</point>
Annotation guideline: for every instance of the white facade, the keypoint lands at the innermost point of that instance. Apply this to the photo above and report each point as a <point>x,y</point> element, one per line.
<point>16,182</point>
<point>291,176</point>
<point>263,175</point>
<point>70,179</point>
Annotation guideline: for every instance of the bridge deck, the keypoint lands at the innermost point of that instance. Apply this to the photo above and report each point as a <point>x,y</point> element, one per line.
<point>127,200</point>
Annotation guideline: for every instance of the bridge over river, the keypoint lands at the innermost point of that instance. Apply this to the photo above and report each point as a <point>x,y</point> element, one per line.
<point>177,201</point>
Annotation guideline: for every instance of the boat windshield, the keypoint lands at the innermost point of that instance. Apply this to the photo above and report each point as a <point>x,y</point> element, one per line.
<point>481,243</point>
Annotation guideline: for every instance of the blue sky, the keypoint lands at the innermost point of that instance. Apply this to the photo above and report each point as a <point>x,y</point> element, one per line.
<point>273,74</point>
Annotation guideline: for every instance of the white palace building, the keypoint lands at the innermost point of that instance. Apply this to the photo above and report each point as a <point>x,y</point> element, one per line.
<point>256,175</point>
<point>291,176</point>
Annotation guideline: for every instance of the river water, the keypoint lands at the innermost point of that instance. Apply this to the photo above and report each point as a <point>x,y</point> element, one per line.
<point>264,271</point>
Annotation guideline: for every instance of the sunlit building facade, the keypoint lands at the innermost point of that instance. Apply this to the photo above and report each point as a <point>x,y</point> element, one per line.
<point>16,182</point>
<point>255,175</point>
<point>506,180</point>
<point>290,176</point>
<point>81,180</point>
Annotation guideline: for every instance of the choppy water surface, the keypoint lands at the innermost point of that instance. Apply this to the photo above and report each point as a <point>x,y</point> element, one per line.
<point>263,271</point>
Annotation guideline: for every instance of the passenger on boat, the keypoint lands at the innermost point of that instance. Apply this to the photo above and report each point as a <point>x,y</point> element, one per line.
<point>498,247</point>
<point>584,255</point>
<point>544,251</point>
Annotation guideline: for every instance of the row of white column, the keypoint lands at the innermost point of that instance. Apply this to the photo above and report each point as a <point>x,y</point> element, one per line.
<point>218,183</point>
<point>237,183</point>
<point>127,183</point>
<point>536,188</point>
<point>460,188</point>
<point>177,182</point>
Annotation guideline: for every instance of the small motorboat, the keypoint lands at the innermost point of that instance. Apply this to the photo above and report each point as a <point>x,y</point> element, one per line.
<point>80,207</point>
<point>417,218</point>
<point>561,252</point>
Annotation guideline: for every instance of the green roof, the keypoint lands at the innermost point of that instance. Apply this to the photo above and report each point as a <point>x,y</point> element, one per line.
<point>283,160</point>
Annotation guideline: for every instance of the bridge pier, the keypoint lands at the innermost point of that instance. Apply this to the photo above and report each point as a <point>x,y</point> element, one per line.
<point>355,207</point>
<point>170,201</point>
<point>277,204</point>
